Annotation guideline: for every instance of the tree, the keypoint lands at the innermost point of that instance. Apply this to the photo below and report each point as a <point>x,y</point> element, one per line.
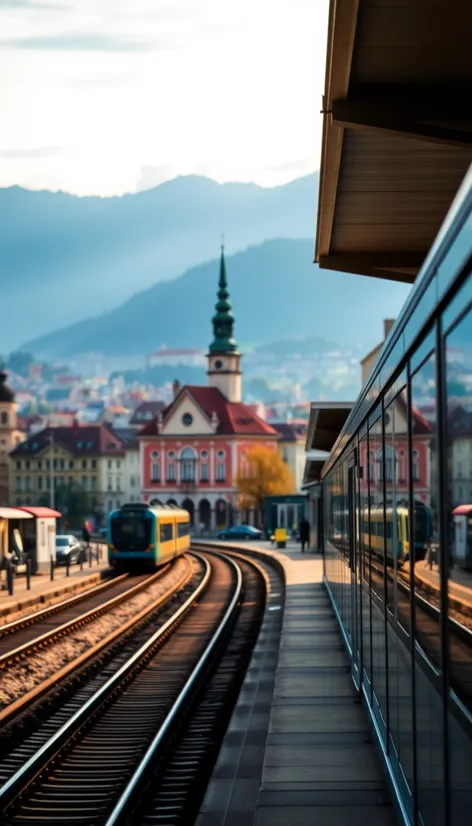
<point>267,475</point>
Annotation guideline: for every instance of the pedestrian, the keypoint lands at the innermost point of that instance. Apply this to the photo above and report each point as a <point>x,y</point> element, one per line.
<point>304,533</point>
<point>86,535</point>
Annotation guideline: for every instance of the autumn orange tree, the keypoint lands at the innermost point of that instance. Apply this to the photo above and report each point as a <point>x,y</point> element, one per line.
<point>267,475</point>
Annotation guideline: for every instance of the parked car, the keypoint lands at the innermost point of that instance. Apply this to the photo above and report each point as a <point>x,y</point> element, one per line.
<point>67,547</point>
<point>240,532</point>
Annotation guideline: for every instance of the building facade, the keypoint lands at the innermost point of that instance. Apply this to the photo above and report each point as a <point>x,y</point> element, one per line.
<point>193,451</point>
<point>10,436</point>
<point>291,446</point>
<point>52,466</point>
<point>368,362</point>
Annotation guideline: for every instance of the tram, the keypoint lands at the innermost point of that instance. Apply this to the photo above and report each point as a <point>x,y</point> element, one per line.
<point>151,536</point>
<point>389,533</point>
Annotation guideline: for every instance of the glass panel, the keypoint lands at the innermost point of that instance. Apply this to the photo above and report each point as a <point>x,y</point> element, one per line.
<point>377,539</point>
<point>400,681</point>
<point>426,567</point>
<point>459,552</point>
<point>365,556</point>
<point>425,491</point>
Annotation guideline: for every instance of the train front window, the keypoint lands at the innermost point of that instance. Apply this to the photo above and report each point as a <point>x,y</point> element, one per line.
<point>130,533</point>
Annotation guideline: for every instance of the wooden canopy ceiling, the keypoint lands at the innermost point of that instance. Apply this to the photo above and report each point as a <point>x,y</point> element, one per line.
<point>397,131</point>
<point>327,419</point>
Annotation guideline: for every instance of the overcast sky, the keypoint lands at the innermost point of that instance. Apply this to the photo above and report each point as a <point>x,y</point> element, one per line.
<point>110,96</point>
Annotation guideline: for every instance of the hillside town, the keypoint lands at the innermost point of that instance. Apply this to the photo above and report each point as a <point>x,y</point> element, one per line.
<point>87,445</point>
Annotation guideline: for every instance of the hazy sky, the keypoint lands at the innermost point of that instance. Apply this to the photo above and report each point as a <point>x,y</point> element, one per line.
<point>110,96</point>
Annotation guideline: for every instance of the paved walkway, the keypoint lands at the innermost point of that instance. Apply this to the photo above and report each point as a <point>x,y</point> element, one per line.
<point>44,591</point>
<point>319,765</point>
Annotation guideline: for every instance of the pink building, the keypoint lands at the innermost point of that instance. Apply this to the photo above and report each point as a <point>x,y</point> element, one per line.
<point>396,457</point>
<point>192,452</point>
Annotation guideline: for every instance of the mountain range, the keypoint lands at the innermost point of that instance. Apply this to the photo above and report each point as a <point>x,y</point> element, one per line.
<point>276,292</point>
<point>64,258</point>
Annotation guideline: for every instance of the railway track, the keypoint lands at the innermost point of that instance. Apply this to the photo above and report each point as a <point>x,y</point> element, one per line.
<point>22,718</point>
<point>96,766</point>
<point>20,637</point>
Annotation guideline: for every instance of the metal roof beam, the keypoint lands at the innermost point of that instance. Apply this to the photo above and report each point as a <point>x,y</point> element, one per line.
<point>447,125</point>
<point>341,34</point>
<point>402,267</point>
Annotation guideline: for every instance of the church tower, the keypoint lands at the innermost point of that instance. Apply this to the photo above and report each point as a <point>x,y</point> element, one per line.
<point>224,358</point>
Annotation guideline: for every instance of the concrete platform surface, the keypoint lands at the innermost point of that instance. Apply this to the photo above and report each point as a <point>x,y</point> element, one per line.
<point>299,749</point>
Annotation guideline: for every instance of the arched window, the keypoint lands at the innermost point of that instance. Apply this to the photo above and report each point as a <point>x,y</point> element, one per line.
<point>188,460</point>
<point>371,466</point>
<point>220,466</point>
<point>4,417</point>
<point>416,466</point>
<point>401,466</point>
<point>391,462</point>
<point>155,472</point>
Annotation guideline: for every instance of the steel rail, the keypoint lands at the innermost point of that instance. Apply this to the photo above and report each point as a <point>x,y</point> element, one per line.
<point>12,710</point>
<point>57,607</point>
<point>49,637</point>
<point>159,741</point>
<point>36,764</point>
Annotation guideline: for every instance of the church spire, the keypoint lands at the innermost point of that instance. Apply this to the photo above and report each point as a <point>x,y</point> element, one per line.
<point>223,320</point>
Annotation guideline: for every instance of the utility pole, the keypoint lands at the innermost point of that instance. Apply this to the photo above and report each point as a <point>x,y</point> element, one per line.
<point>51,470</point>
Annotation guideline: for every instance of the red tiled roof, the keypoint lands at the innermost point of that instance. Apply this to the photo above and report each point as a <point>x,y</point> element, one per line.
<point>235,418</point>
<point>93,440</point>
<point>40,513</point>
<point>421,426</point>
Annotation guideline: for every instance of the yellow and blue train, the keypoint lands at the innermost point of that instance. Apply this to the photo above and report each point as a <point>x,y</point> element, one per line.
<point>139,534</point>
<point>394,523</point>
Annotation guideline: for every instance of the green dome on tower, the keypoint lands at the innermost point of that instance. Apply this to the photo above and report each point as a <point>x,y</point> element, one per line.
<point>223,320</point>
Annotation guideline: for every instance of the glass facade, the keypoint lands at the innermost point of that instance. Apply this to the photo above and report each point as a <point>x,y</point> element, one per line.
<point>397,508</point>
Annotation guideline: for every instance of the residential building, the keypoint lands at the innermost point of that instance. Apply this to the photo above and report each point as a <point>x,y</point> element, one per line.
<point>131,473</point>
<point>291,446</point>
<point>50,465</point>
<point>192,452</point>
<point>370,359</point>
<point>10,435</point>
<point>145,412</point>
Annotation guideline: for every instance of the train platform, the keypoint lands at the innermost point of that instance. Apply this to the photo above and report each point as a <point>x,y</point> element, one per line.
<point>299,749</point>
<point>459,585</point>
<point>44,591</point>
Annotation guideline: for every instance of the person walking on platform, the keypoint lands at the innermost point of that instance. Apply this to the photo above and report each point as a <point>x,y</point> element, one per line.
<point>86,541</point>
<point>304,533</point>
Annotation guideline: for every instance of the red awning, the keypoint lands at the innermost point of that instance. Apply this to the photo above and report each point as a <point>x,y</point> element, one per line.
<point>462,510</point>
<point>41,513</point>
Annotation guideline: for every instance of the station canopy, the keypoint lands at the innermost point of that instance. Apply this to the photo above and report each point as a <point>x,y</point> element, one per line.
<point>14,513</point>
<point>41,512</point>
<point>397,131</point>
<point>326,421</point>
<point>312,472</point>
